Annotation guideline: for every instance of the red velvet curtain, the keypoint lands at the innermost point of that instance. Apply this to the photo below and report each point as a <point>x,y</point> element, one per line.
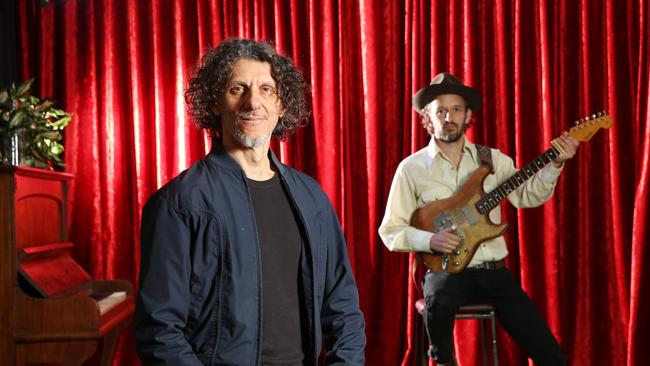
<point>121,67</point>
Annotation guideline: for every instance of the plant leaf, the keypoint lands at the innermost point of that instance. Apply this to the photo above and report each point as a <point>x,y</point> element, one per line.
<point>33,101</point>
<point>60,123</point>
<point>52,135</point>
<point>24,87</point>
<point>44,105</point>
<point>56,148</point>
<point>36,153</point>
<point>17,120</point>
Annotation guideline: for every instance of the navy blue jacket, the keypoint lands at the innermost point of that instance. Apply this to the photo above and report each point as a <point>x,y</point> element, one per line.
<point>200,288</point>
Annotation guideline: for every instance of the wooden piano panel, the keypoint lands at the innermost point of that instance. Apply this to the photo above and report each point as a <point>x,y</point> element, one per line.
<point>40,211</point>
<point>7,267</point>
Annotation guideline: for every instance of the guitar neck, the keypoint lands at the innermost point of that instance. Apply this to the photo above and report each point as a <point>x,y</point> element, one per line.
<point>492,199</point>
<point>583,131</point>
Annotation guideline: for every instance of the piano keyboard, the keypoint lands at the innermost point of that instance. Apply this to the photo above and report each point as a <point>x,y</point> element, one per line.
<point>110,301</point>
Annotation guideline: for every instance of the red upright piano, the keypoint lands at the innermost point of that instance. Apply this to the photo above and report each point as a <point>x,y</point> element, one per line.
<point>51,310</point>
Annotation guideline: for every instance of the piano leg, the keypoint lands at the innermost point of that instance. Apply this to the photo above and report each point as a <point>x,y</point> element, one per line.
<point>62,353</point>
<point>108,346</point>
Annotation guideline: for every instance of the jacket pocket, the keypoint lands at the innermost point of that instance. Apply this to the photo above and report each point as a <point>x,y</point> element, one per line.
<point>205,287</point>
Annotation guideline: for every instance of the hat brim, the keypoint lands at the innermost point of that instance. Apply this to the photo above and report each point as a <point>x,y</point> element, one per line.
<point>425,95</point>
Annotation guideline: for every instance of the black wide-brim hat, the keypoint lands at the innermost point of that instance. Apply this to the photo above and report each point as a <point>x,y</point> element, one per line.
<point>445,83</point>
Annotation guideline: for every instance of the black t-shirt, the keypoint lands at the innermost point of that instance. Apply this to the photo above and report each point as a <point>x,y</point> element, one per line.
<point>280,244</point>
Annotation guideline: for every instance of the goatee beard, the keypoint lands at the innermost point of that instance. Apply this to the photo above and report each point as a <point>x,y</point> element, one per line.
<point>451,138</point>
<point>251,142</point>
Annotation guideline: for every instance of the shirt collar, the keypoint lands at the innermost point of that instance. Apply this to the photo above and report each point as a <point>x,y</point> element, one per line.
<point>434,151</point>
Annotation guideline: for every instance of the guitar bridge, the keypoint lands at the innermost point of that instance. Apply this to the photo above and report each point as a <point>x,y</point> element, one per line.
<point>449,220</point>
<point>444,221</point>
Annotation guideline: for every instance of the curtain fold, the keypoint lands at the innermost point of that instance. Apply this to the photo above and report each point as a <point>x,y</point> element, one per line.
<point>121,67</point>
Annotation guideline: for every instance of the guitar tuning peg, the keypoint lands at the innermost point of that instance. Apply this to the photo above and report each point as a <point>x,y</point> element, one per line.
<point>593,116</point>
<point>577,123</point>
<point>599,114</point>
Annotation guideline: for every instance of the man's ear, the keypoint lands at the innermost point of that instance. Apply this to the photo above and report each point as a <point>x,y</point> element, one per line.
<point>424,119</point>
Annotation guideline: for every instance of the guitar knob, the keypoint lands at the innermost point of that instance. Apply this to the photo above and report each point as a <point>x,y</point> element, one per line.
<point>457,252</point>
<point>456,263</point>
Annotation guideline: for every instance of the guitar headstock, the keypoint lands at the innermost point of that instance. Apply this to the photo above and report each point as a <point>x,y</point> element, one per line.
<point>587,127</point>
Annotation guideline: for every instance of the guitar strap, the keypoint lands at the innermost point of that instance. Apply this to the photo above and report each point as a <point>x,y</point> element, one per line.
<point>485,156</point>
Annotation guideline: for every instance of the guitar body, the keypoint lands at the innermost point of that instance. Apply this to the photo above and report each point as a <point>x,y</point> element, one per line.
<point>458,212</point>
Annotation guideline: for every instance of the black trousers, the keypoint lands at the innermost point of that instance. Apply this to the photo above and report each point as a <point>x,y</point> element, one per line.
<point>446,292</point>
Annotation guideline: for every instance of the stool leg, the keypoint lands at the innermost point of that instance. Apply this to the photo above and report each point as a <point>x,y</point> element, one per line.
<point>421,351</point>
<point>494,339</point>
<point>425,347</point>
<point>484,343</point>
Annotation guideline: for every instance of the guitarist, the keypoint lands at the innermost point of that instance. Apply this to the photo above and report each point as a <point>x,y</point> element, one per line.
<point>437,172</point>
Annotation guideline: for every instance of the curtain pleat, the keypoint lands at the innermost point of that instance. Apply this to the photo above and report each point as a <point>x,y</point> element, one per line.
<point>121,68</point>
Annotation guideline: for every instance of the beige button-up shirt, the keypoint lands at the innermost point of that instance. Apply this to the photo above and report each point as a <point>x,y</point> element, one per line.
<point>428,175</point>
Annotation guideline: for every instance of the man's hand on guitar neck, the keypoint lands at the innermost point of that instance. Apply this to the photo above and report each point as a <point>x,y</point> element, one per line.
<point>444,241</point>
<point>567,146</point>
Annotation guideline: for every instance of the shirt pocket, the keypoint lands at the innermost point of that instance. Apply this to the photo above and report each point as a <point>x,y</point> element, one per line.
<point>434,192</point>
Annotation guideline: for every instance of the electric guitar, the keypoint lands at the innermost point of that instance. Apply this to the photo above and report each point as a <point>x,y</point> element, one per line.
<point>466,212</point>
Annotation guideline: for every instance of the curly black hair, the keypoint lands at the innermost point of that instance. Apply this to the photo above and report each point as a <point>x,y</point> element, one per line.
<point>210,81</point>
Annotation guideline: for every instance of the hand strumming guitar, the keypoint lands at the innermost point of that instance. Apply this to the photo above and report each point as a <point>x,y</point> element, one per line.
<point>444,241</point>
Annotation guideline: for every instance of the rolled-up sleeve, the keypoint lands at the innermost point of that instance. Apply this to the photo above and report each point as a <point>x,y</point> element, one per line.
<point>536,190</point>
<point>395,229</point>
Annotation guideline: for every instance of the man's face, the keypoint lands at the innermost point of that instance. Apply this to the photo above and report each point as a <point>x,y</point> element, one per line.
<point>446,118</point>
<point>250,108</point>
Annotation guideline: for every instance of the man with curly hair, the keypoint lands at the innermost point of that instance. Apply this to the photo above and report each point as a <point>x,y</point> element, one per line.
<point>243,259</point>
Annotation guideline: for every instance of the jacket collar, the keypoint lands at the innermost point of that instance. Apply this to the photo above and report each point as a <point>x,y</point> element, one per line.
<point>218,155</point>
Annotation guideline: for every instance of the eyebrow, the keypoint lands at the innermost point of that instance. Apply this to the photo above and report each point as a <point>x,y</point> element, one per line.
<point>242,82</point>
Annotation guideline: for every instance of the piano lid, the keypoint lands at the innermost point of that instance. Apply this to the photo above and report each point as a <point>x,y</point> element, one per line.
<point>51,269</point>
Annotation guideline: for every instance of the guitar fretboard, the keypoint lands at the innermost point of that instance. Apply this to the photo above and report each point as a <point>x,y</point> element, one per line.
<point>492,199</point>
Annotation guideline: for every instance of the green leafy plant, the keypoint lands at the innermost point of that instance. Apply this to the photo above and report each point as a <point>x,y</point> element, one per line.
<point>36,123</point>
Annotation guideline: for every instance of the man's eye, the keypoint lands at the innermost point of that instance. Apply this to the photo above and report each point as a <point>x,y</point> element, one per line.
<point>267,90</point>
<point>238,90</point>
<point>440,112</point>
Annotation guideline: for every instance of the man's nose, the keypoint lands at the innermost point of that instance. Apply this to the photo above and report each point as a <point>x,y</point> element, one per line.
<point>253,99</point>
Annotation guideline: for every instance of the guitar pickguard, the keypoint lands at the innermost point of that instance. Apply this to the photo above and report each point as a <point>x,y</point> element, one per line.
<point>459,220</point>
